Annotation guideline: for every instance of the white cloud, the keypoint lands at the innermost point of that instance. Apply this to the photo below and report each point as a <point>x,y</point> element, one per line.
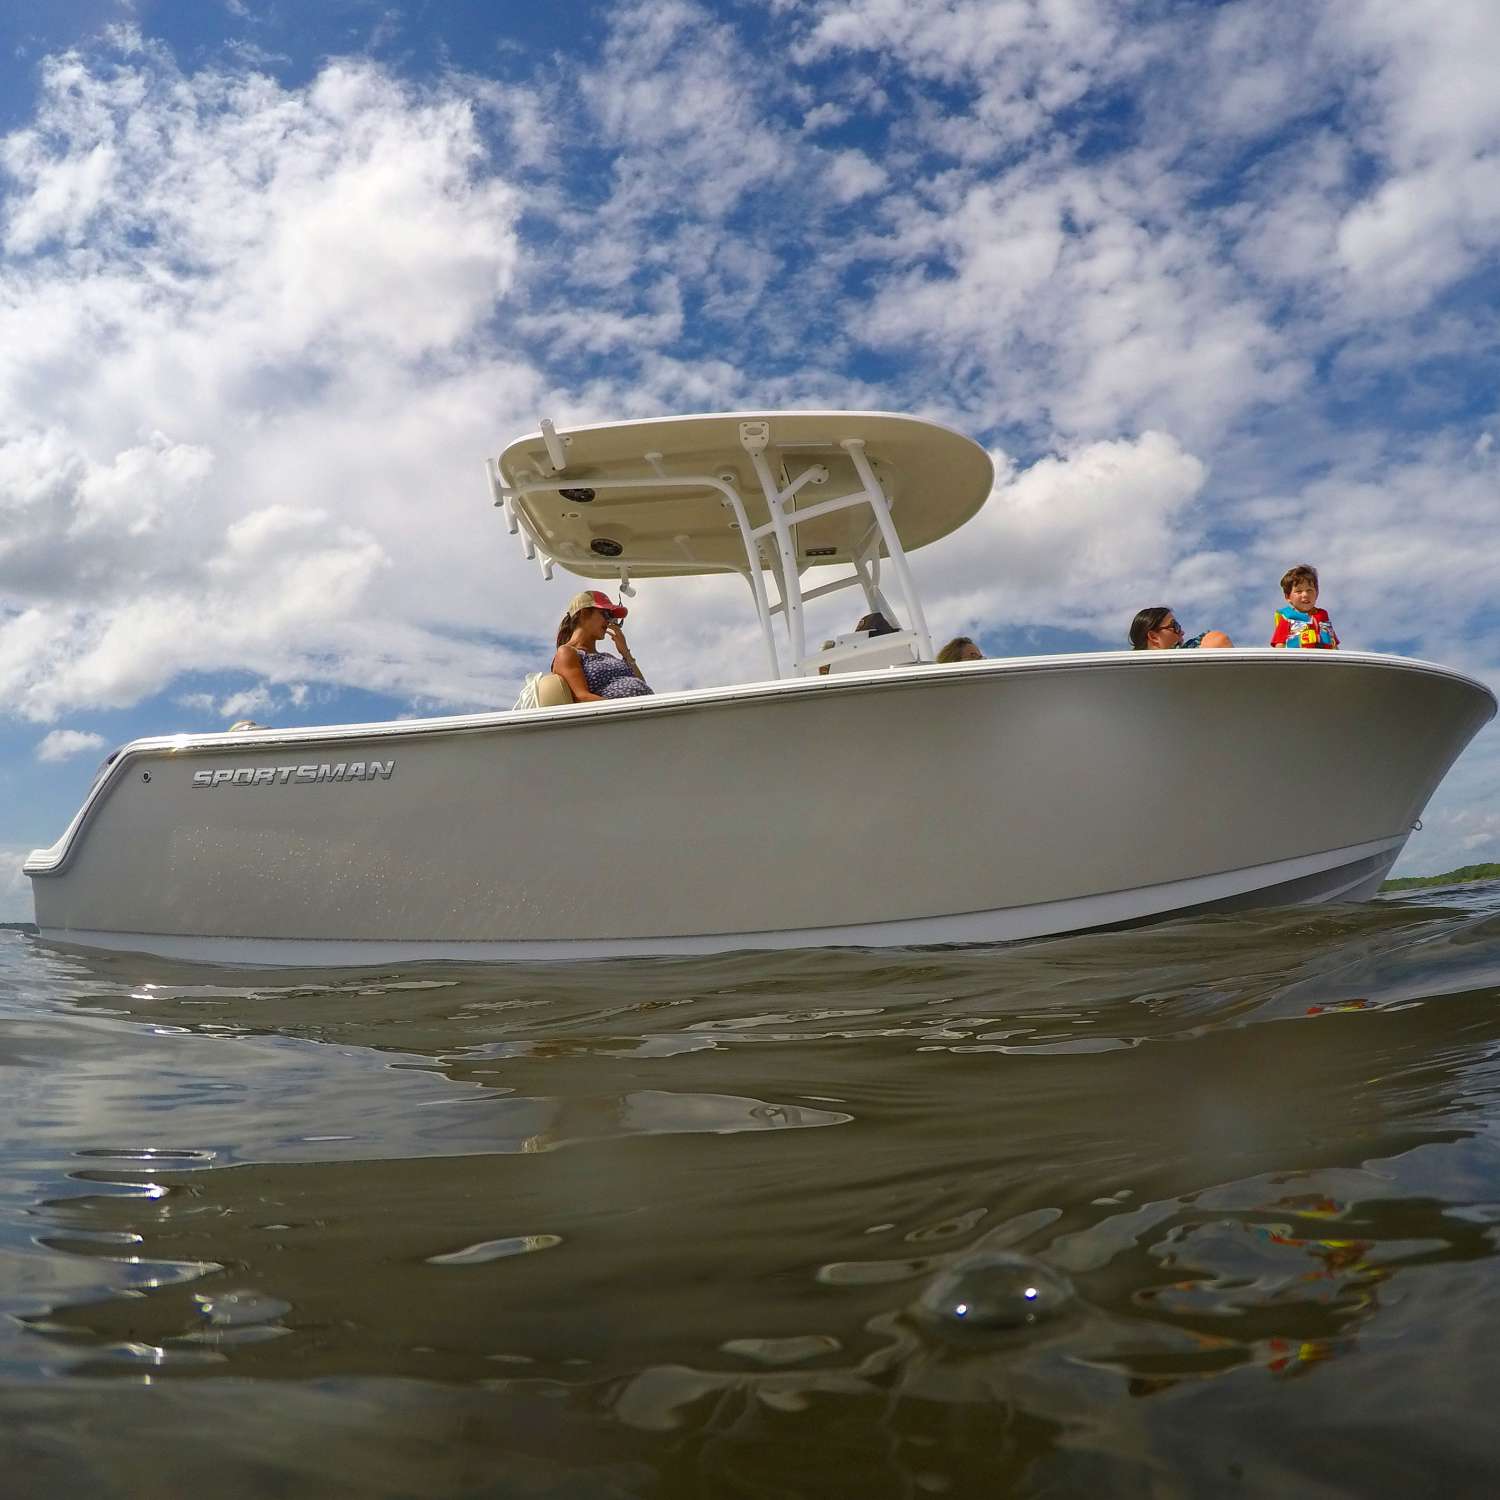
<point>1424,66</point>
<point>258,700</point>
<point>240,371</point>
<point>852,175</point>
<point>1026,59</point>
<point>1421,231</point>
<point>261,700</point>
<point>71,519</point>
<point>63,744</point>
<point>657,322</point>
<point>1083,538</point>
<point>1076,297</point>
<point>1410,205</point>
<point>1289,233</point>
<point>15,888</point>
<point>824,117</point>
<point>673,97</point>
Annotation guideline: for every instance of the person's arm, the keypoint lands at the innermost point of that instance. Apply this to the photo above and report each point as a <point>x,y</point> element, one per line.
<point>570,669</point>
<point>1333,635</point>
<point>1283,631</point>
<point>617,635</point>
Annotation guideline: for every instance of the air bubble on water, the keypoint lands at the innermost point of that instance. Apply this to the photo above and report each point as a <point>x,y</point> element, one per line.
<point>993,1289</point>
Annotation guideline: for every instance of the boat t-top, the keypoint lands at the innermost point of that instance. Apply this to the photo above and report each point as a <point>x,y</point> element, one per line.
<point>860,794</point>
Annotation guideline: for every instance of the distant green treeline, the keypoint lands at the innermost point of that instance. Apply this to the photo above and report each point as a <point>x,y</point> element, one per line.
<point>1453,877</point>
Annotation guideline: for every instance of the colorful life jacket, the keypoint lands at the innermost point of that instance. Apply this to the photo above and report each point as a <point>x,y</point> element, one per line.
<point>1296,629</point>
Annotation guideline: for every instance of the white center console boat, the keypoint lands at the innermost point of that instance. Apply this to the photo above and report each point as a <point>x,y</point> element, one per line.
<point>887,800</point>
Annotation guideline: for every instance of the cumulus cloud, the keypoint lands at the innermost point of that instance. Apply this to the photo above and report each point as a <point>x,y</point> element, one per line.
<point>1101,526</point>
<point>1435,212</point>
<point>1389,199</point>
<point>852,175</point>
<point>1075,299</point>
<point>64,744</point>
<point>239,369</point>
<point>672,100</point>
<point>247,702</point>
<point>1024,59</point>
<point>72,519</point>
<point>824,117</point>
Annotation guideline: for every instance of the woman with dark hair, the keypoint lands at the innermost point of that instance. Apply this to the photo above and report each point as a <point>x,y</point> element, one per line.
<point>1156,629</point>
<point>592,674</point>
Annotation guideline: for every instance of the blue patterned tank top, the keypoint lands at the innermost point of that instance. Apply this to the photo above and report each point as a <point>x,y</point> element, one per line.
<point>609,676</point>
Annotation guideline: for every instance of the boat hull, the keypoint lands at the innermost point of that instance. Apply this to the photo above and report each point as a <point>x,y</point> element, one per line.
<point>988,802</point>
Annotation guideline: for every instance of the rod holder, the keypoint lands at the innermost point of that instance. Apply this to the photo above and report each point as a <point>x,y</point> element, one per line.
<point>555,449</point>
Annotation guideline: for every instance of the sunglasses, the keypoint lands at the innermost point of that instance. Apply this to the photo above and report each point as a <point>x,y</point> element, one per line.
<point>1171,625</point>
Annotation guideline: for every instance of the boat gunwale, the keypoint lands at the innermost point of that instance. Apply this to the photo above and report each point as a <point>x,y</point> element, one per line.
<point>55,859</point>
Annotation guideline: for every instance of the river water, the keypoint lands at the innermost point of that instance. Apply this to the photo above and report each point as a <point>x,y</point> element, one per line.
<point>1204,1208</point>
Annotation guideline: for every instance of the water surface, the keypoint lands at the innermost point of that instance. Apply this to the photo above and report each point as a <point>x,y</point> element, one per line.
<point>1209,1207</point>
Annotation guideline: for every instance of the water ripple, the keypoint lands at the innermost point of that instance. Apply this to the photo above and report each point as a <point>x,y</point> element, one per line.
<point>1249,1164</point>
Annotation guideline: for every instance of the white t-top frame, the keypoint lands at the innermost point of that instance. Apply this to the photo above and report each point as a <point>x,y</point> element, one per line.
<point>770,549</point>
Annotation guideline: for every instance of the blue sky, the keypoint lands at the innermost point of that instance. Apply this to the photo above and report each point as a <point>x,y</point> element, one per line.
<point>1216,284</point>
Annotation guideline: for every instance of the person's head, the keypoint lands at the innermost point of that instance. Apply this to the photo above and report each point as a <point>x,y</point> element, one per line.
<point>960,648</point>
<point>1299,585</point>
<point>1155,629</point>
<point>875,623</point>
<point>589,615</point>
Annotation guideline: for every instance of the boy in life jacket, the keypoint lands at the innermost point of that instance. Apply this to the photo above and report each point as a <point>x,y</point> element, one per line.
<point>1299,623</point>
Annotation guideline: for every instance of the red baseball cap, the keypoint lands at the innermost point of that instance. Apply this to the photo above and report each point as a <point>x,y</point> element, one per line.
<point>594,599</point>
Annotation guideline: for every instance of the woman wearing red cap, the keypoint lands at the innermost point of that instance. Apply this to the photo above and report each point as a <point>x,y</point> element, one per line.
<point>592,674</point>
